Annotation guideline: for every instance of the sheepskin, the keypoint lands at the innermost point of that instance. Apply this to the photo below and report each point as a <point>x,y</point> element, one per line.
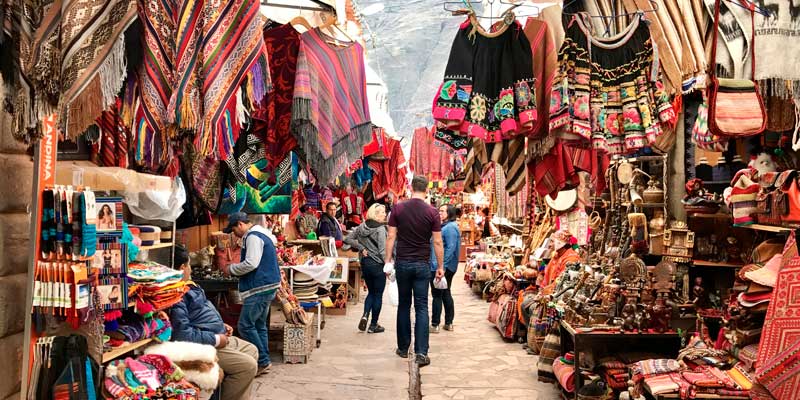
<point>198,361</point>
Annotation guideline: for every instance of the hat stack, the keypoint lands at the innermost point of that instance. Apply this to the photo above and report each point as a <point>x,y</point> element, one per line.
<point>305,287</point>
<point>756,280</point>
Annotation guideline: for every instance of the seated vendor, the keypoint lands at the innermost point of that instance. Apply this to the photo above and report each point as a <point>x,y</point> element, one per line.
<point>196,320</point>
<point>564,254</point>
<point>306,222</point>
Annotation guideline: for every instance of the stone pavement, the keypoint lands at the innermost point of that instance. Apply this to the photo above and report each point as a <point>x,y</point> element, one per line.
<point>472,362</point>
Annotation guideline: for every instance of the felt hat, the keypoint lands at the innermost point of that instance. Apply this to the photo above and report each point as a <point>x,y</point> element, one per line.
<point>560,239</point>
<point>767,275</point>
<point>563,201</point>
<point>754,299</point>
<point>755,288</point>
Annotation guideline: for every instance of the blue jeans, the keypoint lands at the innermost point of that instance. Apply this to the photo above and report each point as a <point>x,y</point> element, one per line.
<point>443,297</point>
<point>372,272</point>
<point>254,323</point>
<point>413,277</point>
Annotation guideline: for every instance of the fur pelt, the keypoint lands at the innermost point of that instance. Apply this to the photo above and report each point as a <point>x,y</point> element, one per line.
<point>188,355</point>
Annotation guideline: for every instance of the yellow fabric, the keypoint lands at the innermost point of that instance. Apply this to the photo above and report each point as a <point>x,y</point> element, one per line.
<point>740,379</point>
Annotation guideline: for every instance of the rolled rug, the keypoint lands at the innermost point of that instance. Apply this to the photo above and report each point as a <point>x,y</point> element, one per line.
<point>565,374</point>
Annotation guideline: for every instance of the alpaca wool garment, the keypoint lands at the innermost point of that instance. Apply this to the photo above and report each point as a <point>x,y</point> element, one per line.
<point>330,115</point>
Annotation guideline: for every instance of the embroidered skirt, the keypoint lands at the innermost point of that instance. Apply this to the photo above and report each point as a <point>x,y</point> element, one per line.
<point>607,90</point>
<point>487,91</point>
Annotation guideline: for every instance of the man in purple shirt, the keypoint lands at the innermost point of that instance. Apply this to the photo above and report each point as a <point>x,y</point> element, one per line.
<point>412,224</point>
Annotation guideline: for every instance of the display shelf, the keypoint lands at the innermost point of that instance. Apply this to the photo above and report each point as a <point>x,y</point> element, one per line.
<point>709,216</point>
<point>115,353</point>
<point>639,159</point>
<point>156,246</point>
<point>766,228</point>
<point>645,205</point>
<point>705,263</point>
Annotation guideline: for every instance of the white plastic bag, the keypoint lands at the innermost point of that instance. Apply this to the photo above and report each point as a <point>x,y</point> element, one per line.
<point>394,293</point>
<point>440,283</point>
<point>388,268</point>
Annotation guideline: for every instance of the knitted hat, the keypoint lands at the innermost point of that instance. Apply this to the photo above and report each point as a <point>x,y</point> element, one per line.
<point>164,366</point>
<point>145,373</point>
<point>560,239</point>
<point>743,198</point>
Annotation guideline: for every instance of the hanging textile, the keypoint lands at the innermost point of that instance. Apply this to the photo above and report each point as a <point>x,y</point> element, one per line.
<point>273,119</point>
<point>428,158</point>
<point>389,173</point>
<point>508,155</point>
<point>79,59</point>
<point>330,115</point>
<point>608,91</point>
<point>113,144</point>
<point>487,91</point>
<point>545,66</point>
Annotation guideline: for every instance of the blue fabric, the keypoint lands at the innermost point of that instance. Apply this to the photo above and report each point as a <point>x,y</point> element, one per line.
<point>413,278</point>
<point>254,323</point>
<point>451,237</point>
<point>194,319</point>
<point>443,297</point>
<point>372,272</point>
<point>268,273</point>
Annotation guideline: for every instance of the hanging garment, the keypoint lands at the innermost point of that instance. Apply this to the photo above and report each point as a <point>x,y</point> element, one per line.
<point>330,115</point>
<point>607,91</point>
<point>508,155</point>
<point>113,144</point>
<point>390,173</point>
<point>274,119</point>
<point>78,59</point>
<point>429,158</point>
<point>545,66</point>
<point>488,85</point>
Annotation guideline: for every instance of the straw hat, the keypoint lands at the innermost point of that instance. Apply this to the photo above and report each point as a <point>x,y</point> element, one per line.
<point>564,200</point>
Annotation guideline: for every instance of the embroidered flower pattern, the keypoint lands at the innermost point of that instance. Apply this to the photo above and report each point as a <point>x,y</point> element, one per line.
<point>631,119</point>
<point>504,108</point>
<point>612,124</point>
<point>477,108</point>
<point>449,90</point>
<point>523,94</point>
<point>581,107</point>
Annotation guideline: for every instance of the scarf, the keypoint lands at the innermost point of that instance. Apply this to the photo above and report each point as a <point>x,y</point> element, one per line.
<point>76,59</point>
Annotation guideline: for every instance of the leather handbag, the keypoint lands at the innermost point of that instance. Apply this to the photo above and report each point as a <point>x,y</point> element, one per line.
<point>764,213</point>
<point>735,106</point>
<point>789,193</point>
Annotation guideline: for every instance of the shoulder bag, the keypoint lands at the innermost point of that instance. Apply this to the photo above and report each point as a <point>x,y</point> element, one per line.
<point>735,107</point>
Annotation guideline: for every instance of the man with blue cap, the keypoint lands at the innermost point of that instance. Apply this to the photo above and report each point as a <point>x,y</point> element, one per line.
<point>259,280</point>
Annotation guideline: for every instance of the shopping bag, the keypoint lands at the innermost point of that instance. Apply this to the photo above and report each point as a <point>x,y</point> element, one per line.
<point>394,293</point>
<point>440,283</point>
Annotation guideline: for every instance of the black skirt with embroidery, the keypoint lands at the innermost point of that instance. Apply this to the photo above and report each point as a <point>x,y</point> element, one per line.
<point>487,91</point>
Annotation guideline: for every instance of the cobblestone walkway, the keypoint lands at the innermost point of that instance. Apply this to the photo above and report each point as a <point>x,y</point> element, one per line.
<point>472,362</point>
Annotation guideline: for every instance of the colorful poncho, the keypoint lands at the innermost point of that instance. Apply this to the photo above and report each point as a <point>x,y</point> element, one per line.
<point>330,115</point>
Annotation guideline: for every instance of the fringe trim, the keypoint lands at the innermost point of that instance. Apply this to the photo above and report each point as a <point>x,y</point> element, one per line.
<point>99,94</point>
<point>779,87</point>
<point>344,151</point>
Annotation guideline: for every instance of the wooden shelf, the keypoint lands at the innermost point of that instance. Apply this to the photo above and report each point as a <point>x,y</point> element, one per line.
<point>710,216</point>
<point>715,264</point>
<point>639,159</point>
<point>645,205</point>
<point>156,246</point>
<point>115,353</point>
<point>766,228</point>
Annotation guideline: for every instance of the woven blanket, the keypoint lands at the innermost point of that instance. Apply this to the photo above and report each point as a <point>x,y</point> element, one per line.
<point>78,65</point>
<point>655,367</point>
<point>565,374</point>
<point>781,331</point>
<point>781,374</point>
<point>233,53</point>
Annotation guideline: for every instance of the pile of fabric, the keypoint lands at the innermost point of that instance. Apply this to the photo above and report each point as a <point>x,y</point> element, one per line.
<point>564,369</point>
<point>614,372</point>
<point>122,327</point>
<point>147,377</point>
<point>662,376</point>
<point>156,287</point>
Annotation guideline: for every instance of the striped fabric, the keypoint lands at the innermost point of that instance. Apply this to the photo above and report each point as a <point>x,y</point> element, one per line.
<point>330,116</point>
<point>508,154</point>
<point>738,111</point>
<point>185,101</point>
<point>233,52</point>
<point>113,137</point>
<point>743,198</point>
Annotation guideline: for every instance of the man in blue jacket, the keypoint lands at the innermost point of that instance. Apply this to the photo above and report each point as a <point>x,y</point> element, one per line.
<point>259,280</point>
<point>196,320</point>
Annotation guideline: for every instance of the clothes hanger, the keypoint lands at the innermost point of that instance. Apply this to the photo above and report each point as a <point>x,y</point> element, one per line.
<point>523,8</point>
<point>330,24</point>
<point>302,21</point>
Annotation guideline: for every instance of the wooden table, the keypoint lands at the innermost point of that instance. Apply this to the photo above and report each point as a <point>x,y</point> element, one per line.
<point>668,344</point>
<point>354,280</point>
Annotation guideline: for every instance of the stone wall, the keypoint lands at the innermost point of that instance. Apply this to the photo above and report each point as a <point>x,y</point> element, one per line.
<point>16,179</point>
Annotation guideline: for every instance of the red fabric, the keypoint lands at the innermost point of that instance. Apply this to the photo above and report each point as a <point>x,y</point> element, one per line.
<point>554,171</point>
<point>378,138</point>
<point>429,158</point>
<point>389,174</point>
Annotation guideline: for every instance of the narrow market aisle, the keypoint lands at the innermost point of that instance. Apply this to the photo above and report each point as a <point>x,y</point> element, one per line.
<point>472,362</point>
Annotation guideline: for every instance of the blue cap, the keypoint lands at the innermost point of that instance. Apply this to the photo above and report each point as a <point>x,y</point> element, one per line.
<point>234,219</point>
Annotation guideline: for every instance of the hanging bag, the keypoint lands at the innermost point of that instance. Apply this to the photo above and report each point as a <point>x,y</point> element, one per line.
<point>735,107</point>
<point>701,136</point>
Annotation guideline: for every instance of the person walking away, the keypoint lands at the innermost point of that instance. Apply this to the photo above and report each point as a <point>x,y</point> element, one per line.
<point>259,279</point>
<point>329,226</point>
<point>196,320</point>
<point>487,227</point>
<point>452,246</point>
<point>369,239</point>
<point>412,224</point>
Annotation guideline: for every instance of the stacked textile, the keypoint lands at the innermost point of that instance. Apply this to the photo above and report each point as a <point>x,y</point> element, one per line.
<point>147,377</point>
<point>615,373</point>
<point>158,287</point>
<point>131,327</point>
<point>564,369</point>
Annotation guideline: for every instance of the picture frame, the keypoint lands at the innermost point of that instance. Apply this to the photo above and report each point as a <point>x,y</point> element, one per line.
<point>340,270</point>
<point>109,214</point>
